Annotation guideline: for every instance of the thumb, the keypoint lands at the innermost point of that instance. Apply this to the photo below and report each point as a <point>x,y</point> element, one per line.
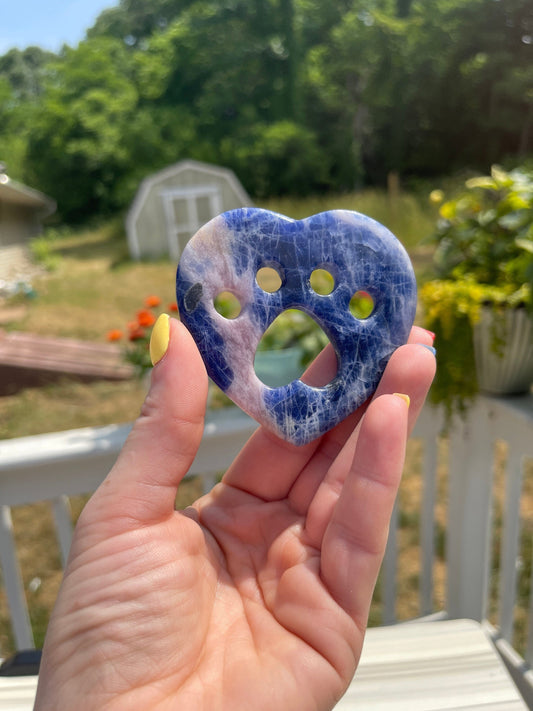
<point>164,440</point>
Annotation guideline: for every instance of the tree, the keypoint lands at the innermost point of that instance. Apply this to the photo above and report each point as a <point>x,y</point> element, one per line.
<point>25,70</point>
<point>434,90</point>
<point>83,143</point>
<point>134,21</point>
<point>295,95</point>
<point>22,78</point>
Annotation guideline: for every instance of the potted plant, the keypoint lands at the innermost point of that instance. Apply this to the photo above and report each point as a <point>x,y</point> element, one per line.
<point>289,344</point>
<point>481,304</point>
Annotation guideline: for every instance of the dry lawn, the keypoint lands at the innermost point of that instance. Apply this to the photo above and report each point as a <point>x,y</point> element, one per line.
<point>94,288</point>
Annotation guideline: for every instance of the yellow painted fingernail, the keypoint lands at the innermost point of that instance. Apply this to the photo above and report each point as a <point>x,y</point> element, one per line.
<point>160,338</point>
<point>404,397</point>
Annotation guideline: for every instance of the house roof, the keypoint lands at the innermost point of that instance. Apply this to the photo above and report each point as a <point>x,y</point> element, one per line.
<point>19,194</point>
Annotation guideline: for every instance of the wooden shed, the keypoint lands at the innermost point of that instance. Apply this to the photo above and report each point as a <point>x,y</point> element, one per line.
<point>22,211</point>
<point>172,204</point>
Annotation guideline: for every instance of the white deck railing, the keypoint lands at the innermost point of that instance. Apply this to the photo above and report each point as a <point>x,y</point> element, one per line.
<point>55,466</point>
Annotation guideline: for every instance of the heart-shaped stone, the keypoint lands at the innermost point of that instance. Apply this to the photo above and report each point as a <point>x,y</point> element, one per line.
<point>361,255</point>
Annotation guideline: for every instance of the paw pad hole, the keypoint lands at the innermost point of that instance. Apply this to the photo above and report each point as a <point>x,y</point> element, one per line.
<point>361,305</point>
<point>322,282</point>
<point>287,347</point>
<point>227,304</point>
<point>269,279</point>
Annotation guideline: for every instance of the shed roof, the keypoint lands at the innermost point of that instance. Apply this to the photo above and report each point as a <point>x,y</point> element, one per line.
<point>18,194</point>
<point>162,181</point>
<point>177,168</point>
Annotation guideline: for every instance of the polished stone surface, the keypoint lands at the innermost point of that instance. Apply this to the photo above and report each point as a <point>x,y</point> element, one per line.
<point>362,255</point>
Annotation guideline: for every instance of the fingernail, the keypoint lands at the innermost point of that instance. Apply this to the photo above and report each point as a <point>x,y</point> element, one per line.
<point>159,339</point>
<point>430,348</point>
<point>433,336</point>
<point>404,397</point>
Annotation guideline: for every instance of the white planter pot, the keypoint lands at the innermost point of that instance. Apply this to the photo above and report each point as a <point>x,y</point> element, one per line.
<point>277,368</point>
<point>504,367</point>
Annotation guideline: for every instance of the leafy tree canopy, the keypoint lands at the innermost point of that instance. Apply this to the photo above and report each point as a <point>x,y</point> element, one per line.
<point>295,95</point>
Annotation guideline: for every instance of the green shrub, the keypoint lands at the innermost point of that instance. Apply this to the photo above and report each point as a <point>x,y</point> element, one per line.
<point>486,231</point>
<point>484,256</point>
<point>42,252</point>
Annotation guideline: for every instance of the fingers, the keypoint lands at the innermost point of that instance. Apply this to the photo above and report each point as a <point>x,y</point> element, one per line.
<point>354,542</point>
<point>283,461</point>
<point>421,336</point>
<point>164,440</point>
<point>410,371</point>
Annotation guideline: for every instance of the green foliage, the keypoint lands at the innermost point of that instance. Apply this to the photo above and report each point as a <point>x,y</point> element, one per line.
<point>25,70</point>
<point>43,254</point>
<point>485,257</point>
<point>298,96</point>
<point>136,20</point>
<point>279,158</point>
<point>451,309</point>
<point>486,231</point>
<point>83,143</point>
<point>22,78</point>
<point>416,91</point>
<point>294,328</point>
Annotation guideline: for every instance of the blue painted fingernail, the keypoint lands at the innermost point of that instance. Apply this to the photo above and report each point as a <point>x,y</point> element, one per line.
<point>430,348</point>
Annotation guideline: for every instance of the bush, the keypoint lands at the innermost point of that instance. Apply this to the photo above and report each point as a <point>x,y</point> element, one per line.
<point>277,159</point>
<point>484,257</point>
<point>486,231</point>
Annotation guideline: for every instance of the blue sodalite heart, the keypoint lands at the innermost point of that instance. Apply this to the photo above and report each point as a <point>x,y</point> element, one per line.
<point>361,255</point>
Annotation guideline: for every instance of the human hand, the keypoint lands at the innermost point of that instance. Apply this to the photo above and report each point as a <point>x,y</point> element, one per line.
<point>257,596</point>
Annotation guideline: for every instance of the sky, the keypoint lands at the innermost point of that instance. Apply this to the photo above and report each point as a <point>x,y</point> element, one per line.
<point>47,23</point>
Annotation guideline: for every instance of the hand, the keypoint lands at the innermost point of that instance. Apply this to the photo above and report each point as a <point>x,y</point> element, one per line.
<point>256,597</point>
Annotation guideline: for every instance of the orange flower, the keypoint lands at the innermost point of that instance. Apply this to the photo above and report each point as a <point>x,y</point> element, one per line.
<point>152,301</point>
<point>145,318</point>
<point>173,306</point>
<point>114,335</point>
<point>137,333</point>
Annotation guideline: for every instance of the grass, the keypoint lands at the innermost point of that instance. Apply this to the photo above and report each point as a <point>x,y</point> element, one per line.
<point>409,217</point>
<point>95,288</point>
<point>67,405</point>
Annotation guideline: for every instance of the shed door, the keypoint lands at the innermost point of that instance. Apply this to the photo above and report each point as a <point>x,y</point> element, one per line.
<point>186,210</point>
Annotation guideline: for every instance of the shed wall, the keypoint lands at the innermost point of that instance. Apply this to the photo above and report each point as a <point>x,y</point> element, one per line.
<point>151,223</point>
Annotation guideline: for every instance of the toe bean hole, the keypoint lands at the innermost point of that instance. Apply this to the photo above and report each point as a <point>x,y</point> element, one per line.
<point>361,304</point>
<point>227,304</point>
<point>287,347</point>
<point>322,282</point>
<point>269,279</point>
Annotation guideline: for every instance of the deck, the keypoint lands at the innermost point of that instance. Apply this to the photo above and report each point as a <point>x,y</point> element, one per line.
<point>27,360</point>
